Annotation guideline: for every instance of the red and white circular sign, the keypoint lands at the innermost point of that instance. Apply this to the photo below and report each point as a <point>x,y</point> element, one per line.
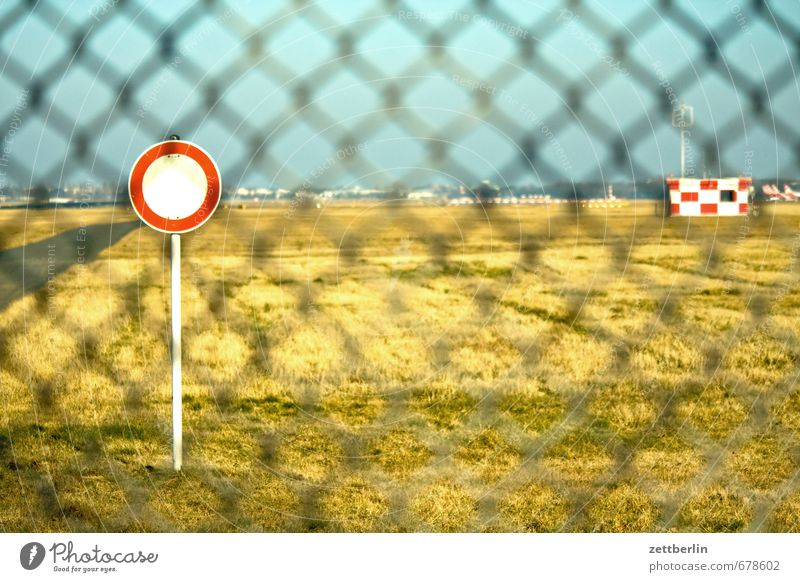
<point>175,186</point>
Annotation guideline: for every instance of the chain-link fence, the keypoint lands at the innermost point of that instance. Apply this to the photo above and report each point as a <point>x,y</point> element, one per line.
<point>377,93</point>
<point>391,366</point>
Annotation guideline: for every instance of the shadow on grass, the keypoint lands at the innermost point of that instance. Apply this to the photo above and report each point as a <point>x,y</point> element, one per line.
<point>28,269</point>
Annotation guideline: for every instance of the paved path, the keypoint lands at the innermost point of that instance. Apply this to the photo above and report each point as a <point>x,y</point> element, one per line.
<point>27,269</point>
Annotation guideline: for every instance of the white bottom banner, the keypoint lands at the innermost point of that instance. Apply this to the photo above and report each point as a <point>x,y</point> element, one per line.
<point>370,557</point>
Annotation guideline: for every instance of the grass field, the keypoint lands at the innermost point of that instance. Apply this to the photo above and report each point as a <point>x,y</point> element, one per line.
<point>399,368</point>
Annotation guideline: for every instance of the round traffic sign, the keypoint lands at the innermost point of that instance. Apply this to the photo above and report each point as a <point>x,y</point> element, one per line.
<point>175,186</point>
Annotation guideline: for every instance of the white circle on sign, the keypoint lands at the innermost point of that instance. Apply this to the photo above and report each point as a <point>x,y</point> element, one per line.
<point>174,186</point>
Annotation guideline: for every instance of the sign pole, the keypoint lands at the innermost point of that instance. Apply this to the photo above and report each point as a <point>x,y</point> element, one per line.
<point>175,299</point>
<point>175,210</point>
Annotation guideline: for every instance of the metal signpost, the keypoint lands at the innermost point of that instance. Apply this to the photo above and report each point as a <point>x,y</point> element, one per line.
<point>175,187</point>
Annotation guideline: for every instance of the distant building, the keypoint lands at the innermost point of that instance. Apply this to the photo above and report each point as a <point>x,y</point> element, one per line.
<point>422,195</point>
<point>707,197</point>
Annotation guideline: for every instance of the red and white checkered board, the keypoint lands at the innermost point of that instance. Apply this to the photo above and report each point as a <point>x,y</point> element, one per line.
<point>696,197</point>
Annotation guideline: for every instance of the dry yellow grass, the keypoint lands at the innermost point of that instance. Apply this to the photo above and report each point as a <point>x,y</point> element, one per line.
<point>486,355</point>
<point>309,455</point>
<point>134,355</point>
<point>623,509</point>
<point>763,462</point>
<point>352,403</point>
<point>186,502</point>
<point>215,450</point>
<point>786,516</point>
<point>761,359</point>
<point>399,453</point>
<point>534,508</point>
<point>307,354</point>
<point>714,410</point>
<point>667,459</point>
<point>445,506</point>
<point>397,386</point>
<point>716,509</point>
<point>624,407</point>
<point>263,400</point>
<point>355,506</point>
<point>268,502</point>
<point>444,405</point>
<point>578,459</point>
<point>787,411</point>
<point>489,454</point>
<point>16,397</point>
<point>668,356</point>
<point>95,316</point>
<point>535,408</point>
<point>218,354</point>
<point>559,357</point>
<point>401,357</point>
<point>20,515</point>
<point>43,349</point>
<point>92,500</point>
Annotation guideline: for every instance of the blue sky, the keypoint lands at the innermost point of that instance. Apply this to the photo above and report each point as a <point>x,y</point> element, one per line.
<point>273,91</point>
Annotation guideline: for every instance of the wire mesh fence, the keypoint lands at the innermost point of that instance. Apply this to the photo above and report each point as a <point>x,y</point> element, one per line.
<point>385,366</point>
<point>383,92</point>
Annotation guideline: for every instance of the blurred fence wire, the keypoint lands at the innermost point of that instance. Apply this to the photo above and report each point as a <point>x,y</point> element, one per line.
<point>597,350</point>
<point>301,94</point>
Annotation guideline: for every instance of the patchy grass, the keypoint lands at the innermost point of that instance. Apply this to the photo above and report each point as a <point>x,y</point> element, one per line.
<point>95,316</point>
<point>400,453</point>
<point>578,459</point>
<point>668,459</point>
<point>42,349</point>
<point>535,408</point>
<point>91,500</point>
<point>268,502</point>
<point>763,463</point>
<point>24,514</point>
<point>219,353</point>
<point>354,404</point>
<point>376,393</point>
<point>400,357</point>
<point>228,449</point>
<point>445,507</point>
<point>134,355</point>
<point>761,359</point>
<point>187,503</point>
<point>787,412</point>
<point>309,455</point>
<point>716,509</point>
<point>786,516</point>
<point>559,359</point>
<point>625,508</point>
<point>444,406</point>
<point>714,410</point>
<point>489,454</point>
<point>355,506</point>
<point>486,355</point>
<point>624,407</point>
<point>668,356</point>
<point>534,508</point>
<point>267,403</point>
<point>135,446</point>
<point>307,355</point>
